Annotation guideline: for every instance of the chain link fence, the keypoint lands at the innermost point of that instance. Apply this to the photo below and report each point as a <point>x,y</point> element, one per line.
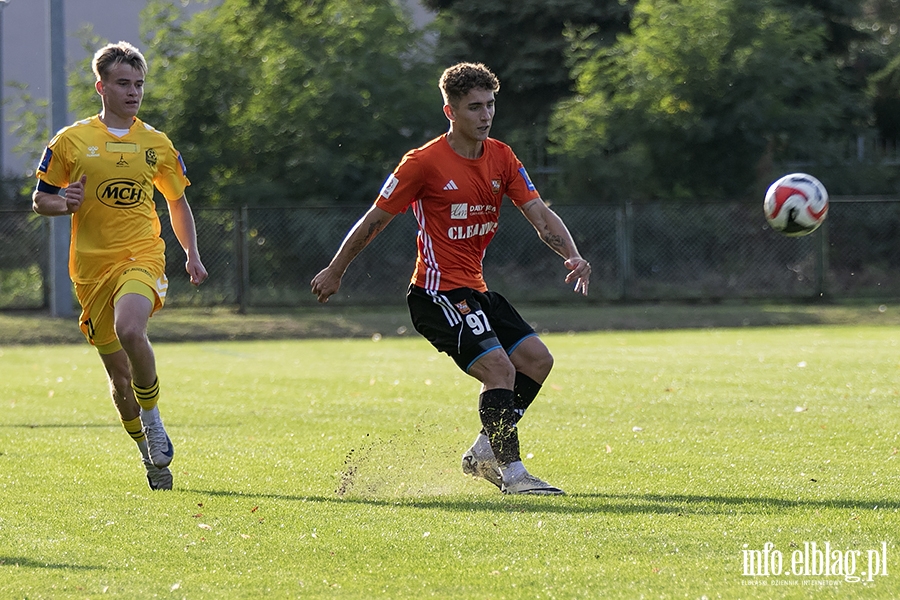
<point>24,259</point>
<point>265,257</point>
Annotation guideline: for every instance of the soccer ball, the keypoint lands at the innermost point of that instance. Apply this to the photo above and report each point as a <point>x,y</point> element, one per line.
<point>796,204</point>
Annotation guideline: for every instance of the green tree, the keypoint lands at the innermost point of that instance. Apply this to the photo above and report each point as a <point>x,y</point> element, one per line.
<point>285,101</point>
<point>699,100</point>
<point>885,92</point>
<point>882,54</point>
<point>84,101</point>
<point>30,125</point>
<point>523,42</point>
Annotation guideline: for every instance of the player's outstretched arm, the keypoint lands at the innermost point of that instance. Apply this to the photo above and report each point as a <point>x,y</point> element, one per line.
<point>328,281</point>
<point>555,234</point>
<point>186,231</point>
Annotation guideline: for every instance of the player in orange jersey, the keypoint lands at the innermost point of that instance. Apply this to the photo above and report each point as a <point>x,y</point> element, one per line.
<point>109,165</point>
<point>455,185</point>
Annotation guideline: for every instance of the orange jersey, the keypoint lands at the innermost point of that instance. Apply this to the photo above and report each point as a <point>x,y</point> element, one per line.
<point>456,202</point>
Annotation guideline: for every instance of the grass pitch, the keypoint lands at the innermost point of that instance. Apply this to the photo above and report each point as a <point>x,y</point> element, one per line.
<point>330,468</point>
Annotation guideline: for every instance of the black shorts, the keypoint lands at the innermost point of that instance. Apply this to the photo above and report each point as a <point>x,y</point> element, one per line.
<point>466,324</point>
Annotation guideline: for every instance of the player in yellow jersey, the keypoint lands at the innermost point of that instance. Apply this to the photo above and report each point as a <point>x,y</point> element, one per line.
<point>108,166</point>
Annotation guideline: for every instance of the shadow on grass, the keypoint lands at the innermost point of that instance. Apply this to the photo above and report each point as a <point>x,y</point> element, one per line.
<point>676,504</point>
<point>29,563</point>
<point>56,425</point>
<point>680,502</point>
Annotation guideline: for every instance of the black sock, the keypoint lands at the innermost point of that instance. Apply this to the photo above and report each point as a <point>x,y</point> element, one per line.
<point>526,390</point>
<point>498,416</point>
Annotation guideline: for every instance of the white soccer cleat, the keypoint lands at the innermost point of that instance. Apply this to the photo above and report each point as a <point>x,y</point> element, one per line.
<point>158,443</point>
<point>158,478</point>
<point>482,467</point>
<point>529,484</point>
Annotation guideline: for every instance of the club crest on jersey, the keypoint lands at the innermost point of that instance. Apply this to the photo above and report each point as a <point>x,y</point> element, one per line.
<point>463,307</point>
<point>150,157</point>
<point>495,186</point>
<point>459,211</point>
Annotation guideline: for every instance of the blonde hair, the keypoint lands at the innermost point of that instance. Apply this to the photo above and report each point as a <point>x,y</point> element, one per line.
<point>111,55</point>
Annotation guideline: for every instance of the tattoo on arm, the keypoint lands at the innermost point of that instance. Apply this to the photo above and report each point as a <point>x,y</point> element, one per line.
<point>374,229</point>
<point>547,223</point>
<point>554,241</point>
<point>357,247</point>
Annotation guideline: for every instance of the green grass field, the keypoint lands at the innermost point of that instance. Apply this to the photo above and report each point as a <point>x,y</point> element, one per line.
<point>330,468</point>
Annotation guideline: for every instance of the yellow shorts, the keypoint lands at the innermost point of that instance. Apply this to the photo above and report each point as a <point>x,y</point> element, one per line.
<point>98,299</point>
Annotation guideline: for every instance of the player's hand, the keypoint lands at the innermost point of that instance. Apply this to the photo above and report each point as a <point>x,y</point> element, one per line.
<point>579,273</point>
<point>325,284</point>
<point>75,195</point>
<point>196,270</point>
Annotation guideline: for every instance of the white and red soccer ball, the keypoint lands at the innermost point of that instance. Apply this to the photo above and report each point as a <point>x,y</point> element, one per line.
<point>796,204</point>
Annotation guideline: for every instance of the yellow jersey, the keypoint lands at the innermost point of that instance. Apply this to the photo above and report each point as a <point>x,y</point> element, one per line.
<point>117,220</point>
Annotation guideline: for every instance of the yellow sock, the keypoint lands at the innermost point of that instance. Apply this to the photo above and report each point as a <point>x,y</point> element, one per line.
<point>134,429</point>
<point>147,397</point>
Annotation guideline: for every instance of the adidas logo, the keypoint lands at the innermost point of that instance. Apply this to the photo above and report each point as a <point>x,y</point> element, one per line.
<point>451,185</point>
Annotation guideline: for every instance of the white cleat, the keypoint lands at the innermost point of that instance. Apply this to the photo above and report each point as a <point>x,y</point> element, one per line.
<point>529,484</point>
<point>158,443</point>
<point>482,467</point>
<point>159,478</point>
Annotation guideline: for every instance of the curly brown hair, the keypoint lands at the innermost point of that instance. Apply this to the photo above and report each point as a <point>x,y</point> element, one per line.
<point>462,78</point>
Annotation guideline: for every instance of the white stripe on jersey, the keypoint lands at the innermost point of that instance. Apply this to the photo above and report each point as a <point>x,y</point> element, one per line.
<point>432,270</point>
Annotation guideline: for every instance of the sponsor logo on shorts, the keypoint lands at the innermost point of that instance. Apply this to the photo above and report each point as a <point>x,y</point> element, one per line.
<point>139,270</point>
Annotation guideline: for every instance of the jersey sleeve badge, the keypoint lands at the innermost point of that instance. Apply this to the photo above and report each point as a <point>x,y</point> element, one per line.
<point>524,175</point>
<point>45,160</point>
<point>389,186</point>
